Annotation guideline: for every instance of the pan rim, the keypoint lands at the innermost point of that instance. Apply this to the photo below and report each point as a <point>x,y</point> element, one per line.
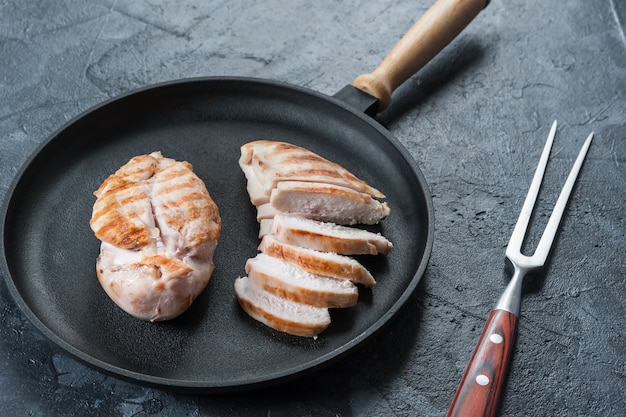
<point>249,383</point>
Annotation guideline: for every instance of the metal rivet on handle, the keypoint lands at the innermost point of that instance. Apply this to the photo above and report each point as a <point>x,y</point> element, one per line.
<point>482,380</point>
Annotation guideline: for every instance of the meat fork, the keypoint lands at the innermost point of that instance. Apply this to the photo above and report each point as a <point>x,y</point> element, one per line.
<point>479,391</point>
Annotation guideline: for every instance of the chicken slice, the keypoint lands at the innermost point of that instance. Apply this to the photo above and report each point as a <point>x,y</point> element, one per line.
<point>266,163</point>
<point>328,237</point>
<point>280,313</point>
<point>316,262</point>
<point>294,283</point>
<point>265,226</point>
<point>266,212</point>
<point>327,203</point>
<point>159,229</point>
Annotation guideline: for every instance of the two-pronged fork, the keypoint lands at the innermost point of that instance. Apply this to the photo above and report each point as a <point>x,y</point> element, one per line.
<point>479,391</point>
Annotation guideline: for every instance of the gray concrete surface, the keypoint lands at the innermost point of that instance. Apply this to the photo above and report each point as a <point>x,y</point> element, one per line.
<point>474,118</point>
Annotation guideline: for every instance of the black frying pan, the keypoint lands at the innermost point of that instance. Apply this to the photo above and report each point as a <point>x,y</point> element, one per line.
<point>50,250</point>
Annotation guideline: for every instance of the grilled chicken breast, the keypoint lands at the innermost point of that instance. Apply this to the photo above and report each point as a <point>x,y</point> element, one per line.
<point>159,229</point>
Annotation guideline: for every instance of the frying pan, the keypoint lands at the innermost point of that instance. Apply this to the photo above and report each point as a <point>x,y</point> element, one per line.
<point>49,249</point>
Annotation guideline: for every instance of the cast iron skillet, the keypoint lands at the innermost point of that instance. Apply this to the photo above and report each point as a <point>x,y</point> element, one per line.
<point>50,250</point>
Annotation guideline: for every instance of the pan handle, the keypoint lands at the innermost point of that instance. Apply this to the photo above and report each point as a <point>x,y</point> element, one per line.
<point>430,34</point>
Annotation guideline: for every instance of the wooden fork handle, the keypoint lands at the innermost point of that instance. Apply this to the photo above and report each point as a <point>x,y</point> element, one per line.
<point>479,391</point>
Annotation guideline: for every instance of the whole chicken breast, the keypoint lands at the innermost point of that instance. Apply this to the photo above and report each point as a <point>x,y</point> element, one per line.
<point>159,229</point>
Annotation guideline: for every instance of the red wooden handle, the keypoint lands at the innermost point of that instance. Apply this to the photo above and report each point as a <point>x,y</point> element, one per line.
<point>479,391</point>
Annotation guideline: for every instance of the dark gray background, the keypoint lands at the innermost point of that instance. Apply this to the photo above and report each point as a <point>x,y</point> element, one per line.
<point>475,119</point>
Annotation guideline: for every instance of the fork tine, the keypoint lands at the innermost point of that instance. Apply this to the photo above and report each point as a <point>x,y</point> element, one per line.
<point>517,237</point>
<point>543,248</point>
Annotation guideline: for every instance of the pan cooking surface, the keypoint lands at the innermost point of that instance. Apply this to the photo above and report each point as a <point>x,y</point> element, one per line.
<point>50,250</point>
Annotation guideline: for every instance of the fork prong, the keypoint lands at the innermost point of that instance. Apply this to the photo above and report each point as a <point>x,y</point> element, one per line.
<point>543,248</point>
<point>517,237</point>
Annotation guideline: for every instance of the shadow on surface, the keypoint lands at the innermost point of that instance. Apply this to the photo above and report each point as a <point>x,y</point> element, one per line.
<point>454,61</point>
<point>330,390</point>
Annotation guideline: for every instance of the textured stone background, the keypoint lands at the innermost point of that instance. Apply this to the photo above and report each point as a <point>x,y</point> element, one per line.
<point>474,118</point>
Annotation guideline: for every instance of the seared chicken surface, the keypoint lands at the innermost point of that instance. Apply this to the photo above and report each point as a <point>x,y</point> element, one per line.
<point>316,262</point>
<point>265,163</point>
<point>280,313</point>
<point>159,229</point>
<point>289,281</point>
<point>328,237</point>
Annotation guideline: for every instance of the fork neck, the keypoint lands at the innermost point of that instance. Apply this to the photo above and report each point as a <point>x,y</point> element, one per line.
<point>511,298</point>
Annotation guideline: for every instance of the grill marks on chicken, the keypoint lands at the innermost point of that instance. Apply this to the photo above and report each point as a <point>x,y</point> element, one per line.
<point>328,237</point>
<point>122,213</point>
<point>287,280</point>
<point>159,229</point>
<point>266,163</point>
<point>285,178</point>
<point>304,206</point>
<point>321,263</point>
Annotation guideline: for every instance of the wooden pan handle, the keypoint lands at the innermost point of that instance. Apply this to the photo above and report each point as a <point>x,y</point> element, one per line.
<point>479,391</point>
<point>429,35</point>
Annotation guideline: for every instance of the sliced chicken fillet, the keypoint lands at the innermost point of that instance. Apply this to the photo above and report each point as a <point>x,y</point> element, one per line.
<point>316,262</point>
<point>294,283</point>
<point>328,237</point>
<point>327,203</point>
<point>280,313</point>
<point>305,204</point>
<point>266,163</point>
<point>265,227</point>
